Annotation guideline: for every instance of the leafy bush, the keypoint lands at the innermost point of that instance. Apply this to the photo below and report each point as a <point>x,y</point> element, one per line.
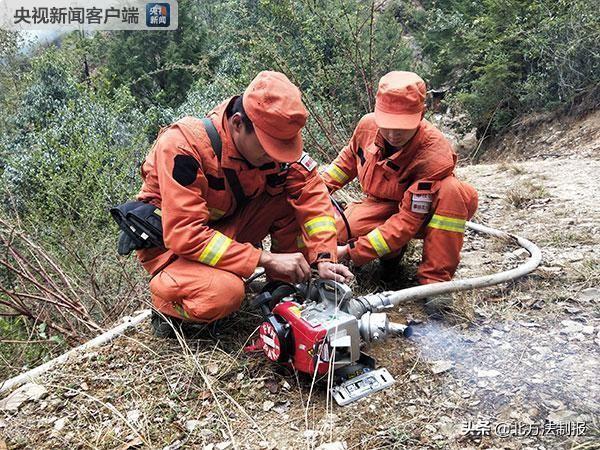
<point>504,58</point>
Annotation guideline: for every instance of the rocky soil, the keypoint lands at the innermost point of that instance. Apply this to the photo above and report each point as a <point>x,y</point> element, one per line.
<point>513,367</point>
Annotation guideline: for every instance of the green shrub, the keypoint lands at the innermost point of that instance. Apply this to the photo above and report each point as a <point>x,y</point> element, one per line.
<point>505,58</point>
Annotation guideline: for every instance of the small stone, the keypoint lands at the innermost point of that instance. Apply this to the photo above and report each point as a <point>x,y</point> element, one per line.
<point>521,253</point>
<point>60,424</point>
<point>488,373</point>
<point>272,386</point>
<point>133,416</point>
<point>310,434</point>
<point>589,294</point>
<point>562,416</point>
<point>282,408</point>
<point>528,324</point>
<point>441,366</point>
<point>191,425</point>
<point>27,392</point>
<point>210,446</point>
<point>576,256</point>
<point>571,327</point>
<point>206,433</point>
<point>223,445</point>
<point>174,446</point>
<point>338,445</point>
<point>267,405</point>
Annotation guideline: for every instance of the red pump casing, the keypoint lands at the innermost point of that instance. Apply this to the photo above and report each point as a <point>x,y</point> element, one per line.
<point>308,349</point>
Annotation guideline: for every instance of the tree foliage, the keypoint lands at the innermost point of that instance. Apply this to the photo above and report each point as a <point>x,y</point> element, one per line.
<point>504,58</point>
<point>78,117</point>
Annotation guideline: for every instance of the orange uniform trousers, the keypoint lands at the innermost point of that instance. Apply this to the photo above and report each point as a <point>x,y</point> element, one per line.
<point>441,248</point>
<point>194,291</point>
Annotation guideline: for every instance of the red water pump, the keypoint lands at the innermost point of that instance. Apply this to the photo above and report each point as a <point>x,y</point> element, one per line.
<point>306,327</point>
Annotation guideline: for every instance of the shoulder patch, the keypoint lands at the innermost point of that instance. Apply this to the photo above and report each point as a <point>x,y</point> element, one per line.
<point>421,203</point>
<point>185,169</point>
<point>307,162</point>
<point>361,156</point>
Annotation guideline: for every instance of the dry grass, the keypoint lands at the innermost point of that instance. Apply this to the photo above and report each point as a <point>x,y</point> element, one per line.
<point>524,193</point>
<point>511,167</point>
<point>250,403</point>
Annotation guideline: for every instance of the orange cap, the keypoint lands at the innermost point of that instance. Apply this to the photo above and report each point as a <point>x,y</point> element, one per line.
<point>400,100</point>
<point>275,107</point>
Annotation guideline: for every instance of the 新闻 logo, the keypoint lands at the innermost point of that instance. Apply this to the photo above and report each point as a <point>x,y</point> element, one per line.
<point>157,14</point>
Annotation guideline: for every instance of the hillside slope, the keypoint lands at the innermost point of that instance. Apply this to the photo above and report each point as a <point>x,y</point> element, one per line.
<point>516,355</point>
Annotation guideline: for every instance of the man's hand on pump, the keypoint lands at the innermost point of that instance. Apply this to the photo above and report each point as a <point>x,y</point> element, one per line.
<point>333,271</point>
<point>294,268</point>
<point>290,267</point>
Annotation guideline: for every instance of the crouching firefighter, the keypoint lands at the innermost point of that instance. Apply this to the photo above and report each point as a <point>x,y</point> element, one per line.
<point>405,167</point>
<point>221,185</point>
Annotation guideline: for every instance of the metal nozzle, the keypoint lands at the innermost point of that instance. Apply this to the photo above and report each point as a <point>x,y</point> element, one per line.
<point>376,327</point>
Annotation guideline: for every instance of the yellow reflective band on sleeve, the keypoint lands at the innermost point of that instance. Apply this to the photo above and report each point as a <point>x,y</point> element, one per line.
<point>158,212</point>
<point>378,242</point>
<point>336,173</point>
<point>177,307</point>
<point>447,223</point>
<point>215,213</point>
<point>213,252</point>
<point>320,224</point>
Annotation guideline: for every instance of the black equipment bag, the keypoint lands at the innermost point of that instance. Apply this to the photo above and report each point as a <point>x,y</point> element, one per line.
<point>140,224</point>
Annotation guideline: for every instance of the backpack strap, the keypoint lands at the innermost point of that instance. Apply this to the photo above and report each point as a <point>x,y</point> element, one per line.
<point>213,135</point>
<point>232,178</point>
<point>217,145</point>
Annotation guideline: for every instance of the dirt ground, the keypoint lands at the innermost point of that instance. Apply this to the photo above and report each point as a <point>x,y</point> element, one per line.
<point>514,366</point>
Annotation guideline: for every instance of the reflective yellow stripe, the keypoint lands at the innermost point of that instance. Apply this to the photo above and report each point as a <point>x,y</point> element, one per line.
<point>213,252</point>
<point>300,242</point>
<point>177,307</point>
<point>216,213</point>
<point>320,224</point>
<point>336,173</point>
<point>378,242</point>
<point>158,212</point>
<point>447,223</point>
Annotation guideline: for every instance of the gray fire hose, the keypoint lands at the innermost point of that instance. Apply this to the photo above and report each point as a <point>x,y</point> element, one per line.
<point>385,300</point>
<point>358,306</point>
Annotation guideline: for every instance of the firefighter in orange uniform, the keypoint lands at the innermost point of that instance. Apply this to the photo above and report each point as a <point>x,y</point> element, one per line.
<point>405,167</point>
<point>222,186</point>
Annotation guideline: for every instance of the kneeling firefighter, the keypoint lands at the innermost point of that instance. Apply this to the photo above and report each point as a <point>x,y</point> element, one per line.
<point>221,185</point>
<point>405,167</point>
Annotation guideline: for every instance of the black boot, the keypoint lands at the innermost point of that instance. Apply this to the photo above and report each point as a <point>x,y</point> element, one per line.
<point>439,306</point>
<point>165,327</point>
<point>389,271</point>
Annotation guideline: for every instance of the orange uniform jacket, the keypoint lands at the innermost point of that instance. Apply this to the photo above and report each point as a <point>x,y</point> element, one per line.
<point>184,178</point>
<point>414,170</point>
